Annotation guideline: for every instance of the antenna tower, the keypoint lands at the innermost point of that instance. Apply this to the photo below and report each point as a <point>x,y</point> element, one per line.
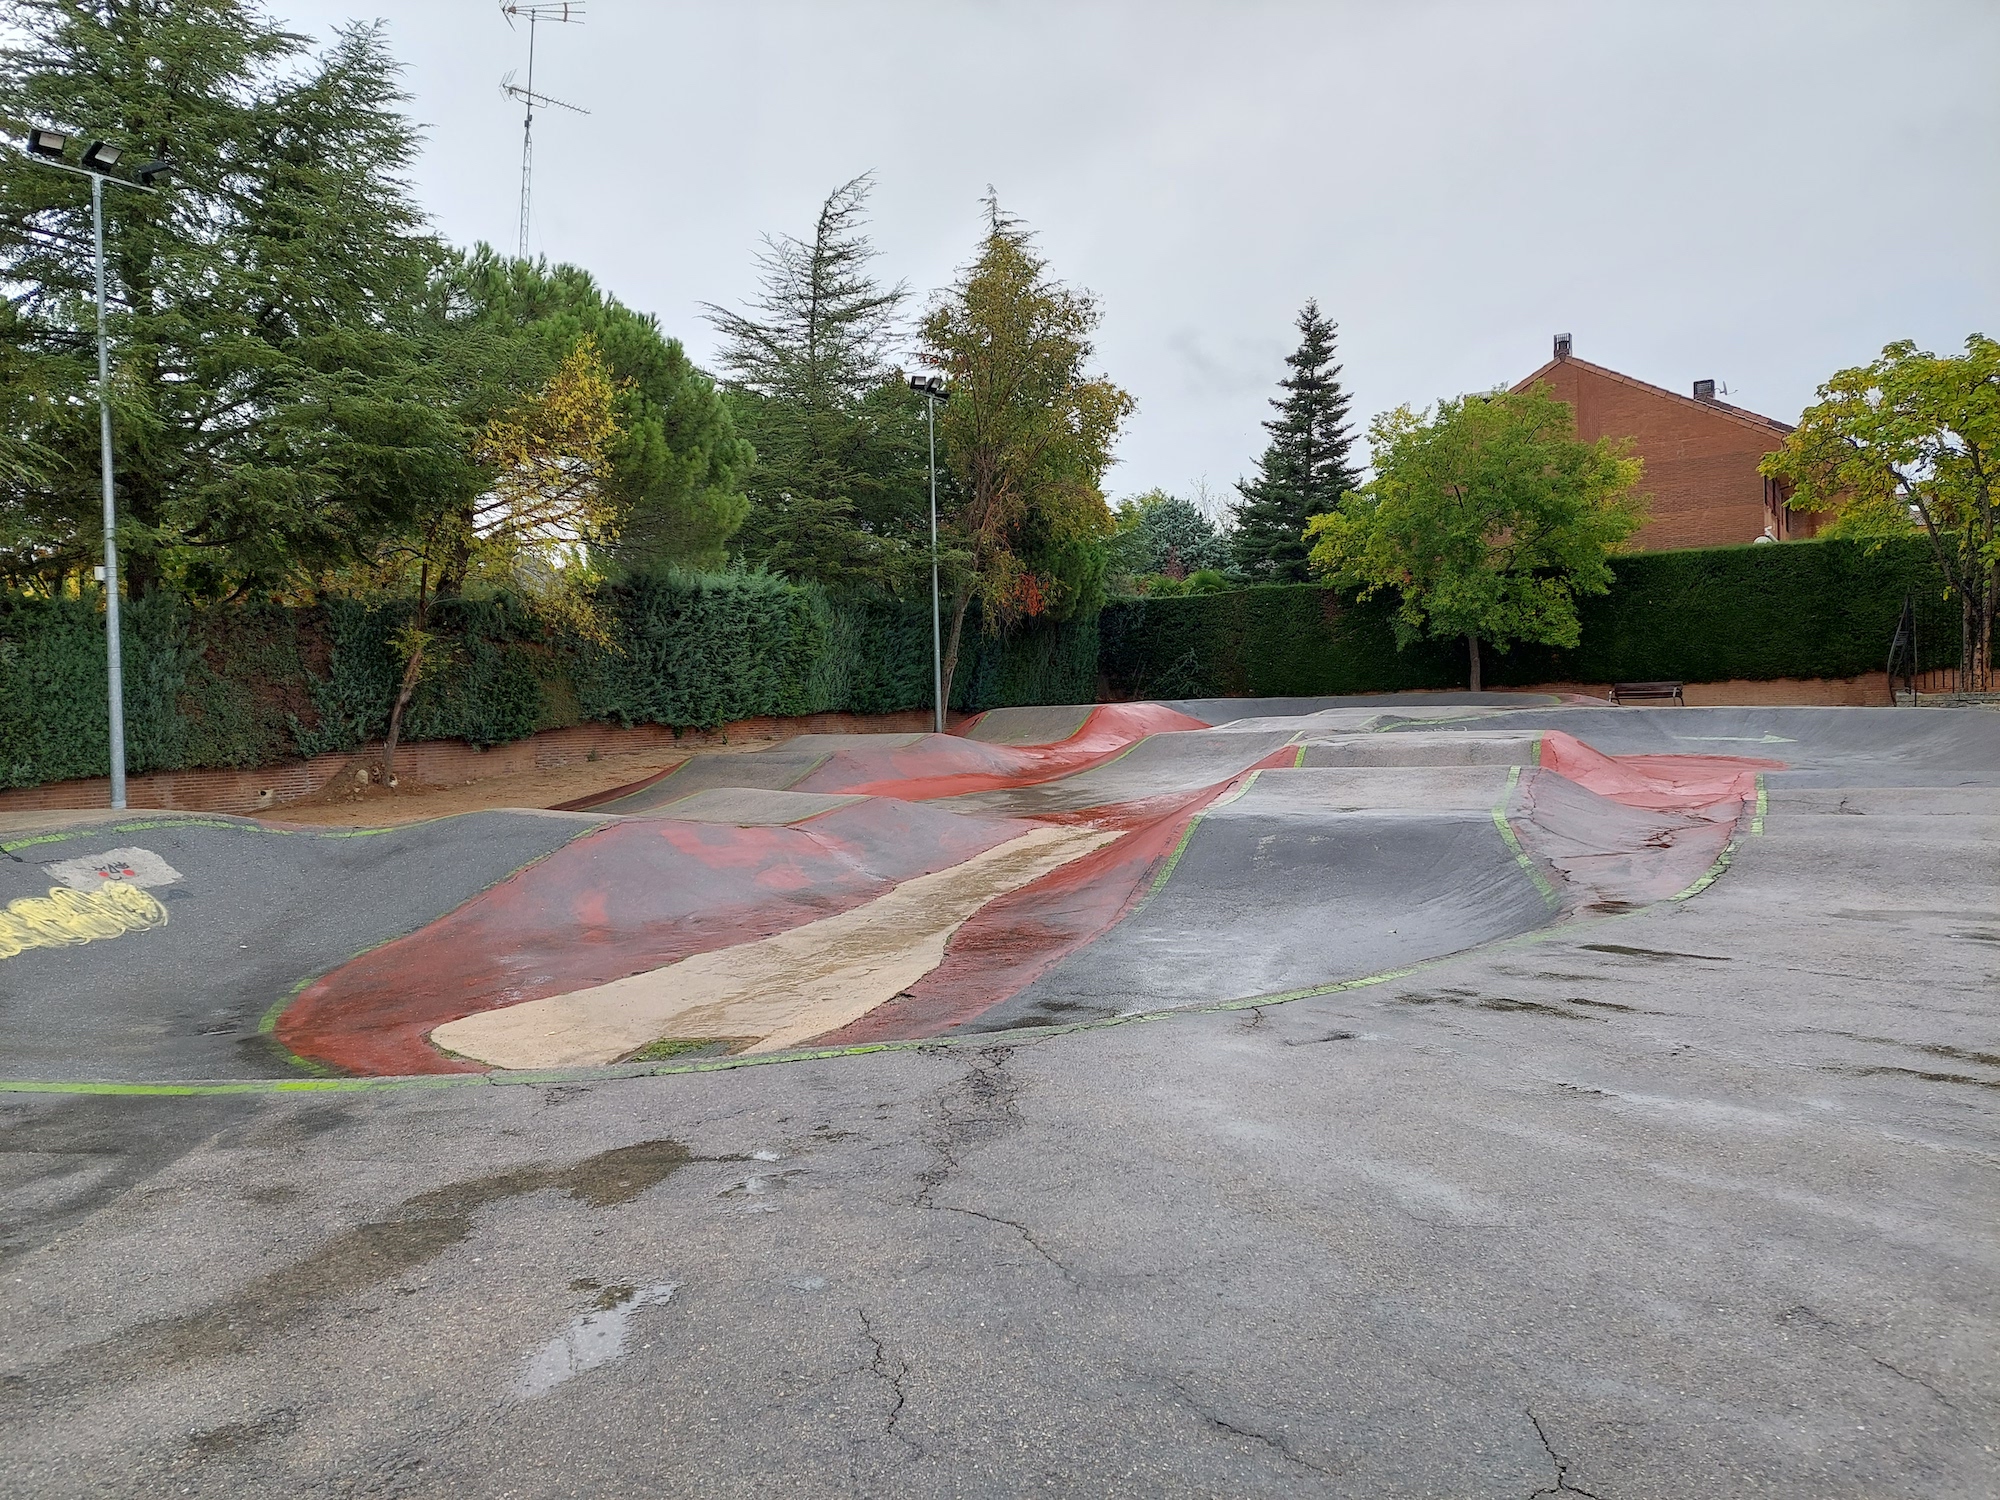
<point>560,13</point>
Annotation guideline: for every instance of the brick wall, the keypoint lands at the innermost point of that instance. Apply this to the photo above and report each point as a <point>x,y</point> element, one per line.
<point>436,761</point>
<point>1701,458</point>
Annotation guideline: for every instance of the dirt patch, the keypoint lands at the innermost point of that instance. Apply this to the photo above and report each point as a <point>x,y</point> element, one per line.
<point>350,802</point>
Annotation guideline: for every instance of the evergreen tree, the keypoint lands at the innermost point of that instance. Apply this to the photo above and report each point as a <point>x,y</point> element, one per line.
<point>674,471</point>
<point>1305,470</point>
<point>838,491</point>
<point>1162,533</point>
<point>277,400</point>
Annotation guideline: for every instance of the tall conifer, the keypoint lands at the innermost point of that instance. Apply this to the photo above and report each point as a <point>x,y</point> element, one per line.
<point>837,493</point>
<point>1305,470</point>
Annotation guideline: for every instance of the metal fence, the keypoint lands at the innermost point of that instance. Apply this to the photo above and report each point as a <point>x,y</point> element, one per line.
<point>1926,654</point>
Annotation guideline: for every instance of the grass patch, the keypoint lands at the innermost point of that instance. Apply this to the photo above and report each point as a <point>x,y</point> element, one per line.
<point>669,1047</point>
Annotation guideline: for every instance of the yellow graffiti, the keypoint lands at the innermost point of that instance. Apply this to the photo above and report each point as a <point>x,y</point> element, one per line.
<point>64,917</point>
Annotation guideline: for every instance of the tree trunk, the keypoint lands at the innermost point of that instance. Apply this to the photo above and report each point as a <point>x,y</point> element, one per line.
<point>1472,650</point>
<point>1968,637</point>
<point>411,673</point>
<point>958,609</point>
<point>1984,682</point>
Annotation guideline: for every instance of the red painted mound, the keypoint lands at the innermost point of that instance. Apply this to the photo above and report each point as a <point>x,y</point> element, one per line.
<point>1015,939</point>
<point>1666,783</point>
<point>629,897</point>
<point>948,765</point>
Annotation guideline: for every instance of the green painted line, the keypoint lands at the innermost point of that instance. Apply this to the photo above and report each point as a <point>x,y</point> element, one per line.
<point>1180,848</point>
<point>1722,862</point>
<point>1763,806</point>
<point>1513,839</point>
<point>1299,759</point>
<point>98,830</point>
<point>1173,859</point>
<point>247,1086</point>
<point>45,838</point>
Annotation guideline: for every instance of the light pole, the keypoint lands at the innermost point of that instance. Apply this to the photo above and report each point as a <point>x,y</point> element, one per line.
<point>933,389</point>
<point>98,157</point>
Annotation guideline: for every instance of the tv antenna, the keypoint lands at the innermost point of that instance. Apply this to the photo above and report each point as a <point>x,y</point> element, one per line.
<point>563,12</point>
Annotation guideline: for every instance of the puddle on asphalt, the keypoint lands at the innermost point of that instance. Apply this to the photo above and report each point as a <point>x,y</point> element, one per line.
<point>234,1438</point>
<point>592,1339</point>
<point>425,1227</point>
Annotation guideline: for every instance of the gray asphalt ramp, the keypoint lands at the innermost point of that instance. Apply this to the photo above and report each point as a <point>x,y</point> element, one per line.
<point>1029,726</point>
<point>248,911</point>
<point>1309,878</point>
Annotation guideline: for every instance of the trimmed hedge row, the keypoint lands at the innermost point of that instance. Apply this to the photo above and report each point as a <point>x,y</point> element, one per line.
<point>1805,609</point>
<point>249,686</point>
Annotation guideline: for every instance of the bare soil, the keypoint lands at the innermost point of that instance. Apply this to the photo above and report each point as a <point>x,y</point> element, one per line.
<point>348,802</point>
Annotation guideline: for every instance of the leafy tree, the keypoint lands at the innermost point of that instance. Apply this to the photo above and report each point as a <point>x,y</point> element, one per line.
<point>1486,521</point>
<point>1912,434</point>
<point>839,492</point>
<point>1305,470</point>
<point>278,402</point>
<point>1164,534</point>
<point>530,531</point>
<point>1027,433</point>
<point>674,470</point>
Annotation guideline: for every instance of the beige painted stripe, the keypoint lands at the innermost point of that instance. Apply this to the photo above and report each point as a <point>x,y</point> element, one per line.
<point>783,989</point>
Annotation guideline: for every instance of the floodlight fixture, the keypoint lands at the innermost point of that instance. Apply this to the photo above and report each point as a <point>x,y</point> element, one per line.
<point>153,171</point>
<point>99,158</point>
<point>931,387</point>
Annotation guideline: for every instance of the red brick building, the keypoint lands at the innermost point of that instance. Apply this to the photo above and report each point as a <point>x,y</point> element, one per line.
<point>1701,455</point>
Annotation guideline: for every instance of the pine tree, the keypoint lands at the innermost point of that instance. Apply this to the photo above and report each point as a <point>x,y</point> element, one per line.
<point>837,493</point>
<point>1305,470</point>
<point>276,403</point>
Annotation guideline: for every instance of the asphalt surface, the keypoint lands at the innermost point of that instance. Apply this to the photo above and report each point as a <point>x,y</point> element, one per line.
<point>254,911</point>
<point>1695,1200</point>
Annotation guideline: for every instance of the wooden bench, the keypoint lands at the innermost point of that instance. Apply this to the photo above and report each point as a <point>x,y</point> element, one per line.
<point>1647,692</point>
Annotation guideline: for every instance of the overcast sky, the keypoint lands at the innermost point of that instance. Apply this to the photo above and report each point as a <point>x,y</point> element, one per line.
<point>1754,192</point>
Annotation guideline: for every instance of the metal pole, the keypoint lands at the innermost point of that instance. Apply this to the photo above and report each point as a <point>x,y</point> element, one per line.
<point>528,138</point>
<point>114,659</point>
<point>937,633</point>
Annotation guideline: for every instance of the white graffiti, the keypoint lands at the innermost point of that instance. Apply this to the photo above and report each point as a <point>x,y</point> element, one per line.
<point>140,867</point>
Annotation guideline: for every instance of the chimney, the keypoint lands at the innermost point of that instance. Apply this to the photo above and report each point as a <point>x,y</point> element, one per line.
<point>1704,390</point>
<point>1562,346</point>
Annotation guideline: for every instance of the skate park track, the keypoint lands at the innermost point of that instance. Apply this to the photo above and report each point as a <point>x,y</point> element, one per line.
<point>1043,867</point>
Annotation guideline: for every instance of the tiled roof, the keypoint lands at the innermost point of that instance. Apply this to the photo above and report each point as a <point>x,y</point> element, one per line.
<point>1769,425</point>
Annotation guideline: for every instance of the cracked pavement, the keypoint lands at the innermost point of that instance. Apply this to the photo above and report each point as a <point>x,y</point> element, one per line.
<point>1695,1201</point>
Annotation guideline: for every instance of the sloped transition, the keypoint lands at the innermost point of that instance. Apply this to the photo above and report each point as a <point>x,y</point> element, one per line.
<point>1046,867</point>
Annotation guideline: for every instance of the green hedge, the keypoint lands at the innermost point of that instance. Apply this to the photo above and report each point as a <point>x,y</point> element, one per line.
<point>1802,609</point>
<point>252,685</point>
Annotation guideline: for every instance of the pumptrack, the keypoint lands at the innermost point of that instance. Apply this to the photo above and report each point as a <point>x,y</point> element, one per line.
<point>1044,866</point>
